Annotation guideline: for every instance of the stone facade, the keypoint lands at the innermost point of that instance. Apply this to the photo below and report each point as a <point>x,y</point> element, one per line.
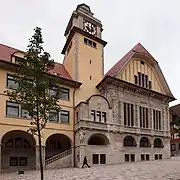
<point>111,101</point>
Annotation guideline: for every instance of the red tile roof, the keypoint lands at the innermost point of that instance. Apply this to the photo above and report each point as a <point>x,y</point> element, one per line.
<point>6,52</point>
<point>137,48</point>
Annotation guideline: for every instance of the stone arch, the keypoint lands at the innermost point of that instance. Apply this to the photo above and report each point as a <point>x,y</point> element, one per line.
<point>100,97</point>
<point>158,143</point>
<point>18,150</point>
<point>56,144</point>
<point>129,141</point>
<point>98,139</point>
<point>145,142</point>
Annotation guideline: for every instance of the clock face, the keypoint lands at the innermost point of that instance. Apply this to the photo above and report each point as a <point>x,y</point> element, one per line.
<point>90,28</point>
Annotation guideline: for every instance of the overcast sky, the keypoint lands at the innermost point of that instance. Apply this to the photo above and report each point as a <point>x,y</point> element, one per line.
<point>153,23</point>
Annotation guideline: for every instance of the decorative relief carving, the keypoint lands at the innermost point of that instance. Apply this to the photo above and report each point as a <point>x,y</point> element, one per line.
<point>82,135</point>
<point>98,106</point>
<point>137,114</point>
<point>150,118</point>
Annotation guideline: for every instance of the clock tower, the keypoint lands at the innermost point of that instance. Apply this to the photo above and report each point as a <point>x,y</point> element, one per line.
<point>84,51</point>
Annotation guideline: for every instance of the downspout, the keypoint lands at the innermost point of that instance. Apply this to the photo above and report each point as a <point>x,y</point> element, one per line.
<point>74,115</point>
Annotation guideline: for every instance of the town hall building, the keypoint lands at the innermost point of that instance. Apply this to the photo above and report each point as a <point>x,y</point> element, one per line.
<point>121,116</point>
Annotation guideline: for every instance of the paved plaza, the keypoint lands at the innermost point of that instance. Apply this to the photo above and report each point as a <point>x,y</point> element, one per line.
<point>156,170</point>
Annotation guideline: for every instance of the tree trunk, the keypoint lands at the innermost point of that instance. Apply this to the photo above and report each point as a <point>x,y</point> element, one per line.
<point>40,152</point>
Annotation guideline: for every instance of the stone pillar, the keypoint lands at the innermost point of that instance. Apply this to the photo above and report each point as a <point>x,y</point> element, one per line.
<point>43,155</point>
<point>38,155</point>
<point>0,158</point>
<point>137,118</point>
<point>72,156</point>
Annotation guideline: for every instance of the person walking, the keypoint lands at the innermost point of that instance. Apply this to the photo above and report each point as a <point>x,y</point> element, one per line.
<point>85,162</point>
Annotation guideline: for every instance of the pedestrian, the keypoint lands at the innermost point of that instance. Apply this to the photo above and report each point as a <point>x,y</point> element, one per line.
<point>85,162</point>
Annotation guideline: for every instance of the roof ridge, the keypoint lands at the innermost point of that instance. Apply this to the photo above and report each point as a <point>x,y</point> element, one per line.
<point>9,47</point>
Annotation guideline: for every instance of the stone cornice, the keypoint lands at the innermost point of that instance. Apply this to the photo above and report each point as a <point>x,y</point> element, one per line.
<point>137,90</point>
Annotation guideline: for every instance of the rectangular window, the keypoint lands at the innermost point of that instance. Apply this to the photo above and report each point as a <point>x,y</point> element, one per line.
<point>13,161</point>
<point>64,94</point>
<point>11,83</point>
<point>142,157</point>
<point>85,40</point>
<point>95,158</point>
<point>135,79</point>
<point>102,158</point>
<point>22,161</point>
<point>142,62</point>
<point>147,157</point>
<point>94,44</point>
<point>147,122</point>
<point>53,116</point>
<point>143,117</point>
<point>90,43</point>
<point>128,114</point>
<point>98,114</point>
<point>93,115</point>
<point>25,114</point>
<point>12,109</point>
<point>146,81</point>
<point>132,158</point>
<point>139,78</point>
<point>143,80</point>
<point>179,146</point>
<point>53,91</point>
<point>126,157</point>
<point>156,156</point>
<point>160,156</point>
<point>125,123</point>
<point>18,143</point>
<point>77,116</point>
<point>150,85</point>
<point>157,119</point>
<point>64,117</point>
<point>132,115</point>
<point>104,117</point>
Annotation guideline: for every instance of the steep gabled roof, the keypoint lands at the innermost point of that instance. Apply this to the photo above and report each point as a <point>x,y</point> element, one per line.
<point>6,52</point>
<point>138,48</point>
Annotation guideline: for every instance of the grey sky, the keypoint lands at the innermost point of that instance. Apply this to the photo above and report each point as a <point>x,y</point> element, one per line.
<point>154,23</point>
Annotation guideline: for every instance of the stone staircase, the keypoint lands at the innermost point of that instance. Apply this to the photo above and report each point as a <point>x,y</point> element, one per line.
<point>59,161</point>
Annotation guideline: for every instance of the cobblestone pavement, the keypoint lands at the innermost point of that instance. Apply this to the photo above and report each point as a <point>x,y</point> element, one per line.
<point>156,170</point>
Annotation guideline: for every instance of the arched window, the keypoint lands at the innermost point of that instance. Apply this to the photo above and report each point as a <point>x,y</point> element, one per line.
<point>129,141</point>
<point>158,143</point>
<point>9,143</point>
<point>144,142</point>
<point>98,139</point>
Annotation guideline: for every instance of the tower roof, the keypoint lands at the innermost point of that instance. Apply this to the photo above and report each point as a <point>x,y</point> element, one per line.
<point>84,7</point>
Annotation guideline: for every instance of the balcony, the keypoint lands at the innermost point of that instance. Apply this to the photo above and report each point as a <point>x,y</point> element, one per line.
<point>91,125</point>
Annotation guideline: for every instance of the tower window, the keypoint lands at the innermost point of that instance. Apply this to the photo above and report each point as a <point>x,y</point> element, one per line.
<point>90,43</point>
<point>90,61</point>
<point>90,77</point>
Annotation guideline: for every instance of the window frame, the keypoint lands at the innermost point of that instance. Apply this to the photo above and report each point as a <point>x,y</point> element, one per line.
<point>104,117</point>
<point>17,107</point>
<point>65,91</point>
<point>55,112</point>
<point>10,77</point>
<point>66,115</point>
